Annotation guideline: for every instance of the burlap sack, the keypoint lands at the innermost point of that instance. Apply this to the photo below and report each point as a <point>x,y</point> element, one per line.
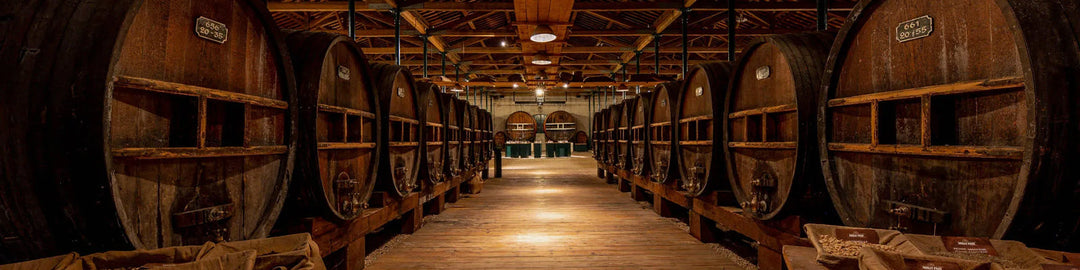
<point>833,261</point>
<point>50,263</point>
<point>1059,256</point>
<point>293,252</point>
<point>136,258</point>
<point>243,260</point>
<point>1010,254</point>
<point>875,259</point>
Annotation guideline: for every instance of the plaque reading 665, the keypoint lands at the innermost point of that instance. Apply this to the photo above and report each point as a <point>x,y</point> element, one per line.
<point>915,29</point>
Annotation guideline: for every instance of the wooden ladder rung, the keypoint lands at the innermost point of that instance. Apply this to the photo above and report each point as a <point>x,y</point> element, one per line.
<point>146,84</point>
<point>987,152</point>
<point>347,145</point>
<point>764,110</point>
<point>695,118</point>
<point>195,152</point>
<point>344,110</point>
<point>935,90</point>
<point>763,145</point>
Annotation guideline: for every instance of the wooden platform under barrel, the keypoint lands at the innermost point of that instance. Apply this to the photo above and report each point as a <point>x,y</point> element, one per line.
<point>700,110</point>
<point>336,157</point>
<point>400,109</point>
<point>972,137</point>
<point>663,162</point>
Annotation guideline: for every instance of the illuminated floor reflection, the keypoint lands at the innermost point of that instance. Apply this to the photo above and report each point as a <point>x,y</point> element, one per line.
<point>550,214</point>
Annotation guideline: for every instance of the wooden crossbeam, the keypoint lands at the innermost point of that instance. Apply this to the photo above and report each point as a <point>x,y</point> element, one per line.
<point>566,50</point>
<point>597,34</point>
<point>276,6</point>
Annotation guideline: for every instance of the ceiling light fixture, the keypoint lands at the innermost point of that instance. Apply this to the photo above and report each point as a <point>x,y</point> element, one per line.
<point>543,33</point>
<point>539,91</point>
<point>503,43</point>
<point>540,60</point>
<point>622,88</point>
<point>457,88</point>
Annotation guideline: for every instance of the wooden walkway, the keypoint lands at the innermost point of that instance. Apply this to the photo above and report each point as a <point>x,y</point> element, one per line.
<point>550,213</point>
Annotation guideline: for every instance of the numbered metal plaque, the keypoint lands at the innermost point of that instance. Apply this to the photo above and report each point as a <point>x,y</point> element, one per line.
<point>915,29</point>
<point>211,30</point>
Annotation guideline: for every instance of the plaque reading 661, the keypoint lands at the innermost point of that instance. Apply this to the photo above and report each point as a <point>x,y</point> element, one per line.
<point>915,29</point>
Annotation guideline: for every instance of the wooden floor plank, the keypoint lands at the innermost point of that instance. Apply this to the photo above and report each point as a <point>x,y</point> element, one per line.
<point>545,214</point>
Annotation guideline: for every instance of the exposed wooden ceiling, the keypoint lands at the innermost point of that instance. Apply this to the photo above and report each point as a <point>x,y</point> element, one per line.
<point>489,40</point>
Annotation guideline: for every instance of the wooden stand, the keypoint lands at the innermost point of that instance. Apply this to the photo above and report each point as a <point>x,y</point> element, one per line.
<point>706,215</point>
<point>333,236</point>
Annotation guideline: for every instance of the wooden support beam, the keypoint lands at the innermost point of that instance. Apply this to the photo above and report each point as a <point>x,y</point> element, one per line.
<point>610,19</point>
<point>276,6</point>
<point>566,50</point>
<point>466,20</point>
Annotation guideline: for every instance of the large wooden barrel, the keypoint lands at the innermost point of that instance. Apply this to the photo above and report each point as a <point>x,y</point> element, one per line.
<point>700,114</point>
<point>626,109</point>
<point>399,106</point>
<point>454,130</point>
<point>433,105</point>
<point>521,127</point>
<point>559,126</point>
<point>663,161</point>
<point>770,131</point>
<point>614,137</point>
<point>336,155</point>
<point>638,117</point>
<point>141,125</point>
<point>975,136</point>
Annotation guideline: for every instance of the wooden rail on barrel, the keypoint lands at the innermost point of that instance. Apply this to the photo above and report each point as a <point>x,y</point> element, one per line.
<point>204,95</point>
<point>925,97</point>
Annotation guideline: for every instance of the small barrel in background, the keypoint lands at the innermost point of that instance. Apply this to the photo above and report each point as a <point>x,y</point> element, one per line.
<point>770,131</point>
<point>700,119</point>
<point>336,153</point>
<point>559,126</point>
<point>581,141</point>
<point>127,127</point>
<point>401,129</point>
<point>663,163</point>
